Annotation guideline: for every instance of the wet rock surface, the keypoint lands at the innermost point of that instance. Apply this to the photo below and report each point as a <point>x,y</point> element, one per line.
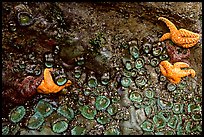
<point>88,40</point>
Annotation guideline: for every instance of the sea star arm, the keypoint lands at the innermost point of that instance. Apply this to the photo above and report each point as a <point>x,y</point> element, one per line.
<point>41,88</point>
<point>48,77</point>
<point>187,40</point>
<point>187,33</point>
<point>188,45</point>
<point>163,70</point>
<point>55,88</point>
<point>187,72</point>
<point>181,65</point>
<point>169,24</point>
<point>175,81</point>
<point>192,72</point>
<point>165,36</point>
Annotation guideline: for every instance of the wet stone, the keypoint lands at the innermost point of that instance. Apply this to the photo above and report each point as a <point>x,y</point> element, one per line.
<point>148,133</point>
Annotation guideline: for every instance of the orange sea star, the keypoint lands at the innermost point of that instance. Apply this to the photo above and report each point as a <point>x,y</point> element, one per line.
<point>48,86</point>
<point>174,73</point>
<point>181,37</point>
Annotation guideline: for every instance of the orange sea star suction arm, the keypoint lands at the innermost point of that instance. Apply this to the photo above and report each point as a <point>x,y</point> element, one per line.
<point>165,36</point>
<point>169,24</point>
<point>188,72</point>
<point>175,81</point>
<point>187,33</point>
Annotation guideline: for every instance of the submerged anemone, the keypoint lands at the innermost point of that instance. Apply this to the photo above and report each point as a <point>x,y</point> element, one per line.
<point>17,114</point>
<point>102,102</point>
<point>35,121</point>
<point>25,18</point>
